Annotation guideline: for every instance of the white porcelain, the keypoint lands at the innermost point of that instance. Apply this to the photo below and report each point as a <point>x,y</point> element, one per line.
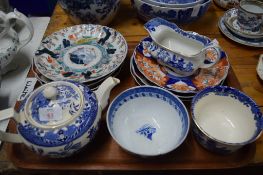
<point>230,20</point>
<point>148,121</point>
<point>183,52</point>
<point>260,67</point>
<point>58,118</point>
<point>10,37</point>
<point>236,38</point>
<point>226,117</point>
<point>250,15</point>
<point>147,11</point>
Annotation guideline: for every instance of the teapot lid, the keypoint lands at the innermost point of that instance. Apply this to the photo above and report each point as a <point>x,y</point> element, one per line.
<point>54,105</point>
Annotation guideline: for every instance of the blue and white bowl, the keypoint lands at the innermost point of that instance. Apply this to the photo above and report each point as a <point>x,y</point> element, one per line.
<point>174,3</point>
<point>91,11</point>
<point>148,121</point>
<point>225,119</point>
<point>147,11</point>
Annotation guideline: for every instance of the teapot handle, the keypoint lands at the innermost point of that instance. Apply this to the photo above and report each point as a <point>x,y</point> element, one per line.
<point>24,22</point>
<point>9,137</point>
<point>217,49</point>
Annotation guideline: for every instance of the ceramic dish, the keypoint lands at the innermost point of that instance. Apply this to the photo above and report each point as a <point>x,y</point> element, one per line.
<point>163,77</point>
<point>82,53</point>
<point>225,119</point>
<point>148,11</point>
<point>141,80</point>
<point>148,121</point>
<point>260,67</point>
<point>236,38</point>
<point>230,20</point>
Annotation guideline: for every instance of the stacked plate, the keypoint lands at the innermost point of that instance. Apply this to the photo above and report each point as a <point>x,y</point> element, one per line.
<point>84,53</point>
<point>181,11</point>
<point>146,71</point>
<point>229,26</point>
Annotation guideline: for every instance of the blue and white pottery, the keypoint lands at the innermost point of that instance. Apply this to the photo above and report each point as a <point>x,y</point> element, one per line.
<point>91,11</point>
<point>147,11</point>
<point>148,121</point>
<point>260,67</point>
<point>10,39</point>
<point>59,118</point>
<point>231,22</point>
<point>225,119</point>
<point>82,53</point>
<point>183,52</point>
<point>174,3</point>
<point>250,15</point>
<point>237,38</point>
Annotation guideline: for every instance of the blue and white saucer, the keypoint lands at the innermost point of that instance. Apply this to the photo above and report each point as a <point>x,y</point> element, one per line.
<point>230,20</point>
<point>239,39</point>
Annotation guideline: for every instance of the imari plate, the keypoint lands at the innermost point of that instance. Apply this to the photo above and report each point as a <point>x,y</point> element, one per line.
<point>163,77</point>
<point>82,53</point>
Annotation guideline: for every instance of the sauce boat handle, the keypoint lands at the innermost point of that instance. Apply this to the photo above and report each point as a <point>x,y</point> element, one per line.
<point>9,137</point>
<point>214,58</point>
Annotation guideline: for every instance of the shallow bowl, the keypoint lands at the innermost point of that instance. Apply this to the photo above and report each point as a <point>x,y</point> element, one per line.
<point>225,119</point>
<point>147,11</point>
<point>148,121</point>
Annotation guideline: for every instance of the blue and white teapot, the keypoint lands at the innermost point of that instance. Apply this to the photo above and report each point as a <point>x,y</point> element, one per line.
<point>12,40</point>
<point>59,118</point>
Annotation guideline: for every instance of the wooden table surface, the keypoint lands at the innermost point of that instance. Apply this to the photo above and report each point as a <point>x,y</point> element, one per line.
<point>243,59</point>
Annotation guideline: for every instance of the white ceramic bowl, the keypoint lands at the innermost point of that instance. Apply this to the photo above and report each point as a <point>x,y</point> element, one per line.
<point>225,119</point>
<point>147,11</point>
<point>148,121</point>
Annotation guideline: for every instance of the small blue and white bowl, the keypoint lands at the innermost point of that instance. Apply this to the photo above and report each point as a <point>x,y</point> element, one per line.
<point>225,119</point>
<point>148,121</point>
<point>95,11</point>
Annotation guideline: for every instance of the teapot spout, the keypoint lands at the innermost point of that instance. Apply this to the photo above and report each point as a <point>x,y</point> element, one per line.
<point>103,92</point>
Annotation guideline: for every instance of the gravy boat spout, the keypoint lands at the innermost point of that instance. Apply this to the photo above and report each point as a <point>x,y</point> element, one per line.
<point>182,46</point>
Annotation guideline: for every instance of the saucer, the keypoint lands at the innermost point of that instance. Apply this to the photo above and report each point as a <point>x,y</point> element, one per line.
<point>230,20</point>
<point>82,53</point>
<point>239,39</point>
<point>158,74</point>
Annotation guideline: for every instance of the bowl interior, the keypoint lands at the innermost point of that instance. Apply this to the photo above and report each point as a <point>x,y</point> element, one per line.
<point>225,117</point>
<point>148,121</point>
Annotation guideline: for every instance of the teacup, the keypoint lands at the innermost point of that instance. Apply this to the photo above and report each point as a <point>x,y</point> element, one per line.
<point>182,51</point>
<point>250,15</point>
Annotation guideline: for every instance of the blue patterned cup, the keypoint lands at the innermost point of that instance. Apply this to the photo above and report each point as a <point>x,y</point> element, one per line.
<point>250,15</point>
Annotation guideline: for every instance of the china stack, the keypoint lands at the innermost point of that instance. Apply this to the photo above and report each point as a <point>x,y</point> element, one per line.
<point>179,11</point>
<point>85,53</point>
<point>151,64</point>
<point>244,24</point>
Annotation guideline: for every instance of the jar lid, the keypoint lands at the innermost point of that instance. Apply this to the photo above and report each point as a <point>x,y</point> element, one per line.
<point>54,105</point>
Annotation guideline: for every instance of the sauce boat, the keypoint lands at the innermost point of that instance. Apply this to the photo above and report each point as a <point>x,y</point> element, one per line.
<point>183,52</point>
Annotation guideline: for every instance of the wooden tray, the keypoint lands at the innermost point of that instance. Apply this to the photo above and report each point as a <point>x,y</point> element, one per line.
<point>104,154</point>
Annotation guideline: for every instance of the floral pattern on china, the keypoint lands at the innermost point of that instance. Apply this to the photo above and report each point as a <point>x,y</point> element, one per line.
<point>58,118</point>
<point>81,53</point>
<point>183,52</point>
<point>164,77</point>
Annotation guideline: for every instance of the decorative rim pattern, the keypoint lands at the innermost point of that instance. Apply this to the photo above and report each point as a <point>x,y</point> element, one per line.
<point>82,53</point>
<point>153,92</point>
<point>237,95</point>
